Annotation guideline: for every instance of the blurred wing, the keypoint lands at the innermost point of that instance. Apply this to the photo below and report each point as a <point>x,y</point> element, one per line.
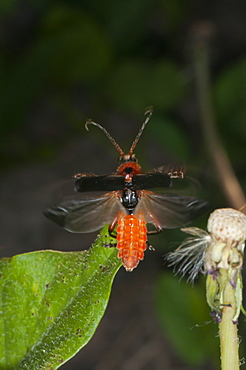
<point>169,211</point>
<point>86,215</point>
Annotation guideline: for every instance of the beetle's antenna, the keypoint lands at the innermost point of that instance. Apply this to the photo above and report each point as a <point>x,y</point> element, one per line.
<point>117,147</point>
<point>149,113</point>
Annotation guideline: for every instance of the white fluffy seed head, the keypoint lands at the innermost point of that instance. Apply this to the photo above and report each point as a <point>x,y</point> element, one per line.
<point>227,224</point>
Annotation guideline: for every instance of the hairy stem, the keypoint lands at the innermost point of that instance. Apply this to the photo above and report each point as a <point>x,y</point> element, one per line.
<point>229,344</point>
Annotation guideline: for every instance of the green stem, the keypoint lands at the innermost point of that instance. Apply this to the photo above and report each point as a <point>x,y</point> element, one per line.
<point>229,343</point>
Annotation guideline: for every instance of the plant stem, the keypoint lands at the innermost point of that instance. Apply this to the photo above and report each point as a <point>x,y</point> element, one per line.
<point>223,167</point>
<point>228,331</point>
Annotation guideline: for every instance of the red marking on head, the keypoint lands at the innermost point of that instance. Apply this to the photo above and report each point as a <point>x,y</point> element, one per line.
<point>123,169</point>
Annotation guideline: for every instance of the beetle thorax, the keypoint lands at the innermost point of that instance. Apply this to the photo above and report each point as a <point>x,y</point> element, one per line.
<point>129,169</point>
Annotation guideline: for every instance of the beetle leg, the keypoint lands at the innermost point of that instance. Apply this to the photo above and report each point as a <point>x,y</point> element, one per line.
<point>112,227</point>
<point>152,232</point>
<point>150,247</point>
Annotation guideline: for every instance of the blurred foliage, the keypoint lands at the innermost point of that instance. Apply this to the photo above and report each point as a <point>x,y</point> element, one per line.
<point>116,56</point>
<point>230,98</point>
<point>184,315</point>
<point>166,131</point>
<point>230,109</point>
<point>7,6</point>
<point>136,84</point>
<point>120,55</point>
<point>78,49</point>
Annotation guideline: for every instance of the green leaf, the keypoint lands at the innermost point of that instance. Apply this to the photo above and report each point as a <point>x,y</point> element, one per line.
<point>184,316</point>
<point>51,304</point>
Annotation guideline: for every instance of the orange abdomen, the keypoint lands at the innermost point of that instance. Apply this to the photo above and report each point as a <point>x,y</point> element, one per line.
<point>132,240</point>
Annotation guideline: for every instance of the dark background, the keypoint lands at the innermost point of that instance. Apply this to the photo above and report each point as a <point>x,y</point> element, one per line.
<point>62,62</point>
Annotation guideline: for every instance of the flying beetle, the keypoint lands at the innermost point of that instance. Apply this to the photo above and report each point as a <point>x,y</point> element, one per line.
<point>127,203</point>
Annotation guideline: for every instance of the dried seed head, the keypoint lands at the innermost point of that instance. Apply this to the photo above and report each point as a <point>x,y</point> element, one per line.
<point>219,253</point>
<point>227,224</point>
